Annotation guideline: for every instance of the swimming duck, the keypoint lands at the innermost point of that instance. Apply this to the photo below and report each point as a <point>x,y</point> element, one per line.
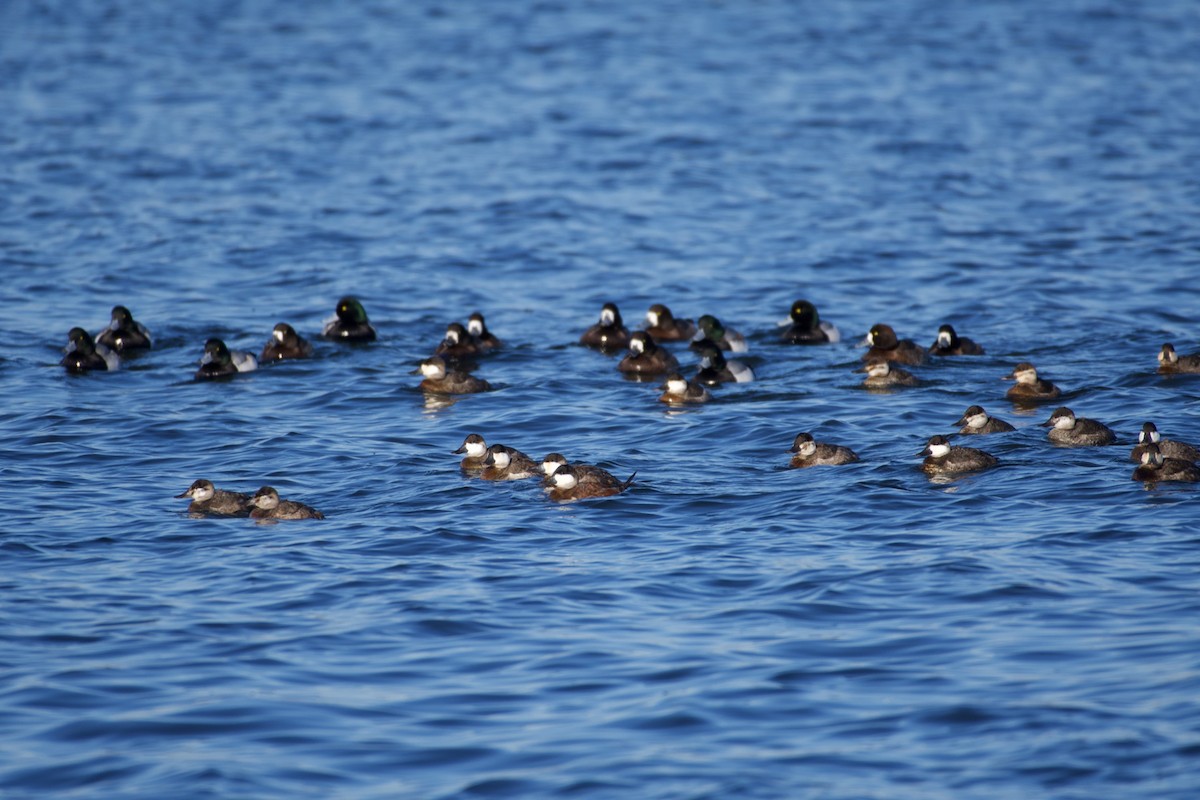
<point>950,343</point>
<point>457,343</point>
<point>1156,467</point>
<point>440,379</point>
<point>884,344</point>
<point>663,326</point>
<point>208,499</point>
<point>679,389</point>
<point>124,333</point>
<point>584,473</point>
<point>504,463</point>
<point>715,370</point>
<point>84,355</point>
<point>710,328</point>
<point>267,505</point>
<point>976,420</point>
<point>219,361</point>
<point>285,343</point>
<point>1170,362</point>
<point>943,459</point>
<point>1029,388</point>
<point>645,357</point>
<point>565,486</point>
<point>1067,429</point>
<point>609,334</point>
<point>807,327</point>
<point>476,453</point>
<point>351,324</point>
<point>882,375</point>
<point>1149,435</point>
<point>811,453</point>
<point>484,339</point>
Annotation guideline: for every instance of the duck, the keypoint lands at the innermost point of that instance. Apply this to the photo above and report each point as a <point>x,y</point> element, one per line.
<point>351,324</point>
<point>807,327</point>
<point>811,453</point>
<point>665,327</point>
<point>219,361</point>
<point>1067,429</point>
<point>1149,435</point>
<point>484,339</point>
<point>504,463</point>
<point>678,390</point>
<point>1156,467</point>
<point>209,500</point>
<point>975,420</point>
<point>268,505</point>
<point>711,328</point>
<point>1170,362</point>
<point>883,343</point>
<point>609,334</point>
<point>715,370</point>
<point>285,343</point>
<point>882,375</point>
<point>949,343</point>
<point>440,379</point>
<point>645,357</point>
<point>457,343</point>
<point>565,486</point>
<point>83,354</point>
<point>475,449</point>
<point>1029,388</point>
<point>584,473</point>
<point>943,459</point>
<point>124,334</point>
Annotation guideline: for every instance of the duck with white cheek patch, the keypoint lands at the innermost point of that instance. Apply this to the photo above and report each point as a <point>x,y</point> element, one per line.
<point>943,459</point>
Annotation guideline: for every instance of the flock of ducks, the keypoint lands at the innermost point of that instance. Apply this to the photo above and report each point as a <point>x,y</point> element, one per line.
<point>446,372</point>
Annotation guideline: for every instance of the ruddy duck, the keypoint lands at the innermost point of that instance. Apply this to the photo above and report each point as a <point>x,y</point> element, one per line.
<point>679,389</point>
<point>565,485</point>
<point>124,333</point>
<point>483,338</point>
<point>84,355</point>
<point>584,473</point>
<point>267,505</point>
<point>884,344</point>
<point>207,499</point>
<point>1029,387</point>
<point>504,463</point>
<point>645,357</point>
<point>811,453</point>
<point>943,459</point>
<point>1149,435</point>
<point>715,370</point>
<point>351,324</point>
<point>476,453</point>
<point>950,343</point>
<point>439,379</point>
<point>882,375</point>
<point>710,328</point>
<point>1156,467</point>
<point>1170,362</point>
<point>664,327</point>
<point>976,420</point>
<point>221,362</point>
<point>1067,429</point>
<point>609,334</point>
<point>807,327</point>
<point>285,343</point>
<point>457,343</point>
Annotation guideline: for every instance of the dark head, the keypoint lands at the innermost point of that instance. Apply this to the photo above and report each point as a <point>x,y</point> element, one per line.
<point>972,412</point>
<point>711,327</point>
<point>215,352</point>
<point>801,442</point>
<point>946,337</point>
<point>610,317</point>
<point>476,325</point>
<point>1062,417</point>
<point>659,315</point>
<point>80,341</point>
<point>284,333</point>
<point>455,334</point>
<point>641,342</point>
<point>1149,434</point>
<point>350,310</point>
<point>121,318</point>
<point>804,315</point>
<point>473,445</point>
<point>937,446</point>
<point>199,490</point>
<point>883,337</point>
<point>265,498</point>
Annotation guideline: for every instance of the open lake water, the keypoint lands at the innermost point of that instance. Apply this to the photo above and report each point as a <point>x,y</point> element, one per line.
<point>727,628</point>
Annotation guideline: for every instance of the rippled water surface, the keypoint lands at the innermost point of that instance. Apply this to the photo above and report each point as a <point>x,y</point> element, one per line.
<point>726,628</point>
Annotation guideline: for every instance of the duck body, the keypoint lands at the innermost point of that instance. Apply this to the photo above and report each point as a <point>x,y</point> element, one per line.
<point>219,361</point>
<point>1156,467</point>
<point>664,327</point>
<point>1170,362</point>
<point>211,501</point>
<point>351,324</point>
<point>1071,431</point>
<point>441,379</point>
<point>679,390</point>
<point>504,463</point>
<point>83,354</point>
<point>268,505</point>
<point>943,459</point>
<point>977,421</point>
<point>474,451</point>
<point>949,343</point>
<point>1170,449</point>
<point>609,334</point>
<point>712,329</point>
<point>646,358</point>
<point>285,344</point>
<point>886,345</point>
<point>811,453</point>
<point>124,334</point>
<point>566,485</point>
<point>882,374</point>
<point>1029,388</point>
<point>479,333</point>
<point>807,327</point>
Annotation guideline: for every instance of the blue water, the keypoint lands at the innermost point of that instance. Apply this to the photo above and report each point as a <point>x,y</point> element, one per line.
<point>728,627</point>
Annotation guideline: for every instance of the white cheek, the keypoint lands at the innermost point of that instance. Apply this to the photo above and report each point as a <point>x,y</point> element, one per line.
<point>652,319</point>
<point>606,317</point>
<point>939,450</point>
<point>475,328</point>
<point>475,450</point>
<point>676,387</point>
<point>943,340</point>
<point>279,336</point>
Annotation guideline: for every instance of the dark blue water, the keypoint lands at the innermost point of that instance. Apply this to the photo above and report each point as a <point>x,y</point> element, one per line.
<point>728,627</point>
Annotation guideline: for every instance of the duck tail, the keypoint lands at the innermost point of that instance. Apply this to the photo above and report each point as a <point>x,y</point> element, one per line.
<point>628,481</point>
